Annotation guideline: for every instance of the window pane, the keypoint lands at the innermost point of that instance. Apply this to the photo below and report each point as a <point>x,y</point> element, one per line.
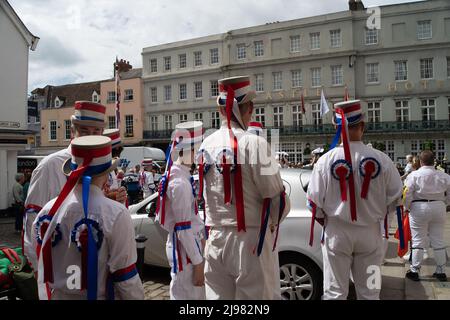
<point>259,48</point>
<point>295,43</point>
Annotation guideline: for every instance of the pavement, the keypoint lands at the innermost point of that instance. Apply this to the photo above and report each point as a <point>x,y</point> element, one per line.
<point>394,285</point>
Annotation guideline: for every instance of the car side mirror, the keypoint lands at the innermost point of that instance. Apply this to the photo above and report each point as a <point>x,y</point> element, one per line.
<point>150,209</point>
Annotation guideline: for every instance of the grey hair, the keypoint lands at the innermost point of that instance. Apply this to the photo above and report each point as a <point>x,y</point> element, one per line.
<point>19,176</point>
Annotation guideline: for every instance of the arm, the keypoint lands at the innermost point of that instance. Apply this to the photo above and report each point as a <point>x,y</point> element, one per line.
<point>408,192</point>
<point>122,259</point>
<point>316,192</point>
<point>393,184</point>
<point>181,195</point>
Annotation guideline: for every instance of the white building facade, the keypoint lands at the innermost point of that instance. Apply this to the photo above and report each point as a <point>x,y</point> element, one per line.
<point>17,40</point>
<point>400,70</point>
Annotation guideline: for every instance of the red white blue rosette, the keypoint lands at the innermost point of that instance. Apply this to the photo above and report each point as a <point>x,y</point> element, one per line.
<point>341,171</point>
<point>369,168</point>
<point>42,226</point>
<point>81,226</point>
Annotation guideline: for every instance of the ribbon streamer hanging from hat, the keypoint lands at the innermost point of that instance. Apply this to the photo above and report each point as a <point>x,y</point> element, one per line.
<point>237,181</point>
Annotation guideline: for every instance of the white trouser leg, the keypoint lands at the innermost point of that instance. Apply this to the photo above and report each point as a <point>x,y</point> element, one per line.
<point>182,283</point>
<point>367,257</point>
<point>233,271</point>
<point>419,218</point>
<point>436,234</point>
<point>337,259</point>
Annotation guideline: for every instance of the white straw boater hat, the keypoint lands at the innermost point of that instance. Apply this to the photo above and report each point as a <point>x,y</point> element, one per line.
<point>239,87</point>
<point>186,136</point>
<point>352,111</point>
<point>89,113</point>
<point>94,152</point>
<point>147,162</point>
<point>114,135</point>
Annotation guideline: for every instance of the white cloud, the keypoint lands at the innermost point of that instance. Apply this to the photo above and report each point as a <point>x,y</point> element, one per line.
<point>80,39</point>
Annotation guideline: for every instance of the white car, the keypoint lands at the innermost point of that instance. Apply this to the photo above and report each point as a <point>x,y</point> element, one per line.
<point>300,265</point>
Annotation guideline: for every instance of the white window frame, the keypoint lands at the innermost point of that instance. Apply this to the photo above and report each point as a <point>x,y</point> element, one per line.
<point>295,43</point>
<point>403,107</point>
<point>260,115</point>
<point>241,52</point>
<point>259,82</point>
<point>127,96</point>
<point>154,94</point>
<point>430,116</point>
<point>58,103</point>
<point>182,117</point>
<point>154,123</point>
<point>335,38</point>
<point>297,116</point>
<point>215,119</point>
<point>401,70</point>
<point>277,81</point>
<point>198,116</point>
<point>67,131</point>
<point>213,88</point>
<point>315,112</point>
<point>129,125</point>
<point>373,72</point>
<point>371,37</point>
<point>50,123</point>
<point>259,48</point>
<point>168,93</point>
<point>425,68</point>
<point>198,89</point>
<point>214,53</point>
<point>390,149</point>
<point>374,112</point>
<point>316,77</point>
<point>153,65</point>
<point>182,88</point>
<point>424,30</point>
<point>111,122</point>
<point>296,78</point>
<point>278,116</point>
<point>314,40</point>
<point>337,75</point>
<point>182,61</point>
<point>198,59</point>
<point>168,122</point>
<point>95,97</point>
<point>167,63</point>
<point>111,97</point>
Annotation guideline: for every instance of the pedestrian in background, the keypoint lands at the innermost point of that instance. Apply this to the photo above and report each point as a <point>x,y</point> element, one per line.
<point>427,194</point>
<point>18,201</point>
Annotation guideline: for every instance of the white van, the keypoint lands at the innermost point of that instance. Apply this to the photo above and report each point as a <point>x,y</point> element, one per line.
<point>132,156</point>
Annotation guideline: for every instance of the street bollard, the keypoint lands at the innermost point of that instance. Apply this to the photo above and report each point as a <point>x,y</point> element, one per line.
<point>140,246</point>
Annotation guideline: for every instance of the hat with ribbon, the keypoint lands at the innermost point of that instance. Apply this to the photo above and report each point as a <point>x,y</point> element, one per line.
<point>186,136</point>
<point>233,92</point>
<point>147,162</point>
<point>89,113</point>
<point>114,135</point>
<point>91,157</point>
<point>255,128</point>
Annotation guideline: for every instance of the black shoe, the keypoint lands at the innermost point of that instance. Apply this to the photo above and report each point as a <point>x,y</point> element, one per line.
<point>414,276</point>
<point>440,276</point>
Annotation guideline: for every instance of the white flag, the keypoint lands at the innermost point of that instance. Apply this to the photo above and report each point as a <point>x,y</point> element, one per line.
<point>323,105</point>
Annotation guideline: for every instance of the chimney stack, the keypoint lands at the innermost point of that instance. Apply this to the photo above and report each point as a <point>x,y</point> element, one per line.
<point>356,5</point>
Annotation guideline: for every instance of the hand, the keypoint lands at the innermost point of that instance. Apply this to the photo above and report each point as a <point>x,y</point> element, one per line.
<point>199,275</point>
<point>121,195</point>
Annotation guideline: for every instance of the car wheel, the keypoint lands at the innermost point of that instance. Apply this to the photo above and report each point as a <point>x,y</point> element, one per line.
<point>300,277</point>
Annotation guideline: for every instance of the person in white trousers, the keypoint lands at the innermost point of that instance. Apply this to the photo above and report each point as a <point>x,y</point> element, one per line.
<point>426,197</point>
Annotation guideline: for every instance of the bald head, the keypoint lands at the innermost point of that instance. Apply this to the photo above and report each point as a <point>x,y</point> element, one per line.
<point>426,158</point>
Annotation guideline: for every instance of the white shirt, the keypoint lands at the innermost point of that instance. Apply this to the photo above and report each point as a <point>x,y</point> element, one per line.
<point>384,190</point>
<point>180,207</point>
<point>47,180</point>
<point>260,179</point>
<point>408,167</point>
<point>427,183</point>
<point>117,251</point>
<point>147,182</point>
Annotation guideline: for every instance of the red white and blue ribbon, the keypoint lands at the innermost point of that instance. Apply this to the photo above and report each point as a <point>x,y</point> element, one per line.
<point>369,168</point>
<point>176,250</point>
<point>265,214</point>
<point>399,211</point>
<point>313,207</point>
<point>119,276</point>
<point>280,215</point>
<point>341,170</point>
<point>163,184</point>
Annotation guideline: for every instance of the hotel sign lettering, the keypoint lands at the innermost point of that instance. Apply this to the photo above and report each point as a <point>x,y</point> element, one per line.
<point>421,85</point>
<point>9,124</point>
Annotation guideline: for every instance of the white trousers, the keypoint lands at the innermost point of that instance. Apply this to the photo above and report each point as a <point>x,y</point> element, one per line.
<point>427,221</point>
<point>182,283</point>
<point>234,272</point>
<point>356,249</point>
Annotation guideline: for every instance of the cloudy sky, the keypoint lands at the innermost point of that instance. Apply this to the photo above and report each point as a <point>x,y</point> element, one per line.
<point>80,39</point>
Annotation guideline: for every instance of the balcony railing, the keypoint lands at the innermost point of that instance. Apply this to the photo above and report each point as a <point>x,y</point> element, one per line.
<point>371,127</point>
